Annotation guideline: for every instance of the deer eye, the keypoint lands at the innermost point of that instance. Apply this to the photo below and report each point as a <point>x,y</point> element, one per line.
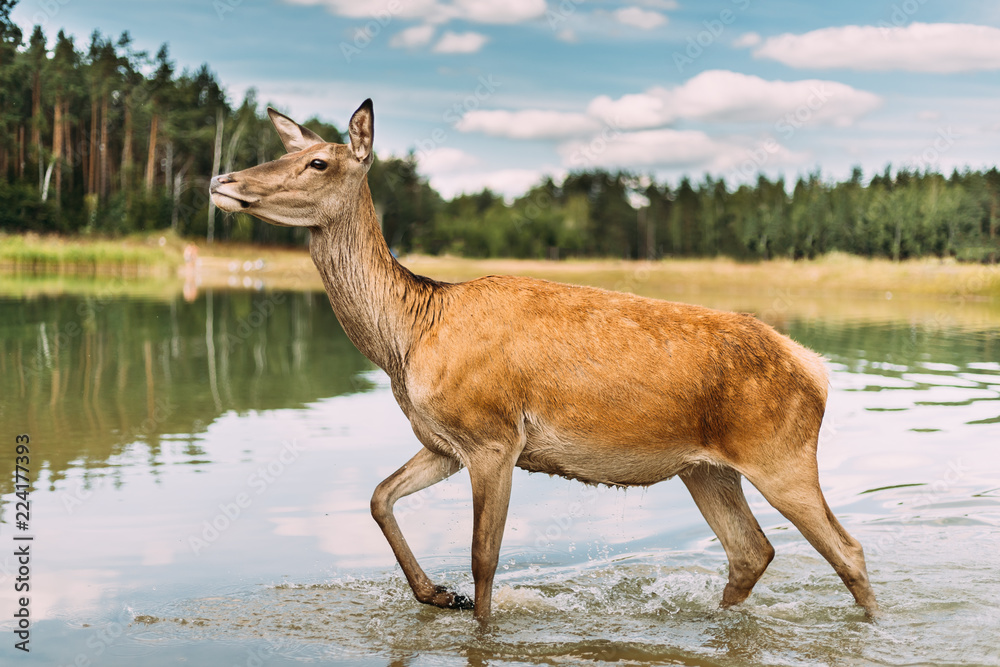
<point>319,165</point>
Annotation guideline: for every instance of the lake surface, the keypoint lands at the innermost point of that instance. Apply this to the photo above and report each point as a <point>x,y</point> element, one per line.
<point>201,470</point>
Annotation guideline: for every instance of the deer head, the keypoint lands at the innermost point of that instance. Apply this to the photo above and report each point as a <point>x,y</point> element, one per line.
<point>314,183</point>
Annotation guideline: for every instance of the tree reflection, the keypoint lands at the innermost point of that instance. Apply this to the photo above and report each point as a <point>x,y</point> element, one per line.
<point>89,378</point>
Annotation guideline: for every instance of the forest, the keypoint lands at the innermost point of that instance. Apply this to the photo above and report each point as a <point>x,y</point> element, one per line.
<point>104,139</point>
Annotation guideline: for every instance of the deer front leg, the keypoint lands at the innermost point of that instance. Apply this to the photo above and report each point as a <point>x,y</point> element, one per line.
<point>423,470</point>
<point>491,482</point>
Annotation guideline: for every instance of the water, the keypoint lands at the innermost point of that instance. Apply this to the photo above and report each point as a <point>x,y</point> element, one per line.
<point>201,474</point>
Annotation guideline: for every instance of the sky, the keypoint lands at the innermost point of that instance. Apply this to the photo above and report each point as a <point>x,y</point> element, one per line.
<point>502,94</point>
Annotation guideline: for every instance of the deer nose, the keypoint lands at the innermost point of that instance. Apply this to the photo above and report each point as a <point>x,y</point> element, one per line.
<point>221,179</point>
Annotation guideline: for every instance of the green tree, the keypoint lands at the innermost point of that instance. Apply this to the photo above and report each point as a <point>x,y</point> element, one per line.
<point>10,116</point>
<point>405,202</point>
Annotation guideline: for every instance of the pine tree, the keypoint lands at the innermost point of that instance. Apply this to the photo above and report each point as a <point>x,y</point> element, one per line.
<point>10,41</point>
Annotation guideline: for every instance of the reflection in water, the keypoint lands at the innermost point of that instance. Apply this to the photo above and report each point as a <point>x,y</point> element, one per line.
<point>204,472</point>
<point>89,376</point>
<point>893,348</point>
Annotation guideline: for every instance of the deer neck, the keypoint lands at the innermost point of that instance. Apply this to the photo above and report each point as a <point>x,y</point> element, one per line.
<point>379,303</point>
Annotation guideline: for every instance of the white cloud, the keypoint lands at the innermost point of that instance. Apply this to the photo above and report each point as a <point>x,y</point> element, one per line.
<point>714,96</point>
<point>928,115</point>
<point>528,124</point>
<point>418,35</point>
<point>918,47</point>
<point>435,11</point>
<point>664,148</point>
<point>465,42</point>
<point>723,96</point>
<point>747,39</point>
<point>659,4</point>
<point>639,18</point>
<point>368,9</point>
<point>679,151</point>
<point>509,183</point>
<point>490,11</point>
<point>567,35</point>
<point>641,110</point>
<point>445,160</point>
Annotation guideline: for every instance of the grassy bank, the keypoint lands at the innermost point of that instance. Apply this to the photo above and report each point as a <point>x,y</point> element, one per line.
<point>835,287</point>
<point>161,256</point>
<point>835,273</point>
<point>145,256</point>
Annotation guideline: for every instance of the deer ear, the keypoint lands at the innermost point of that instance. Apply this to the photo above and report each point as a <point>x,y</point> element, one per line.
<point>293,136</point>
<point>362,131</point>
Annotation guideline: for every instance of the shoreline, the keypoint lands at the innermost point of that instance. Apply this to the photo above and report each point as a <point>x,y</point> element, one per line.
<point>160,258</point>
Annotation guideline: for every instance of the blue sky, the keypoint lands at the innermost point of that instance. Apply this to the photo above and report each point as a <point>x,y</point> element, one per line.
<point>499,94</point>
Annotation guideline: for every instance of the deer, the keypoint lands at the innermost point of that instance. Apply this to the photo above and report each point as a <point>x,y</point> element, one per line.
<point>605,387</point>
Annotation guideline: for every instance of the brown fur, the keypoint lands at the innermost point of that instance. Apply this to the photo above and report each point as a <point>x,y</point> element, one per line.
<point>580,382</point>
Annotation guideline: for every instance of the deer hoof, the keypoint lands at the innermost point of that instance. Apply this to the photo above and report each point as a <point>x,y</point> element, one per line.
<point>449,600</point>
<point>462,602</point>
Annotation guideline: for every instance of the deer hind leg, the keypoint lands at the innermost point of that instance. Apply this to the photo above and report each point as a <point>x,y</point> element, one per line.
<point>423,470</point>
<point>795,492</point>
<point>717,492</point>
